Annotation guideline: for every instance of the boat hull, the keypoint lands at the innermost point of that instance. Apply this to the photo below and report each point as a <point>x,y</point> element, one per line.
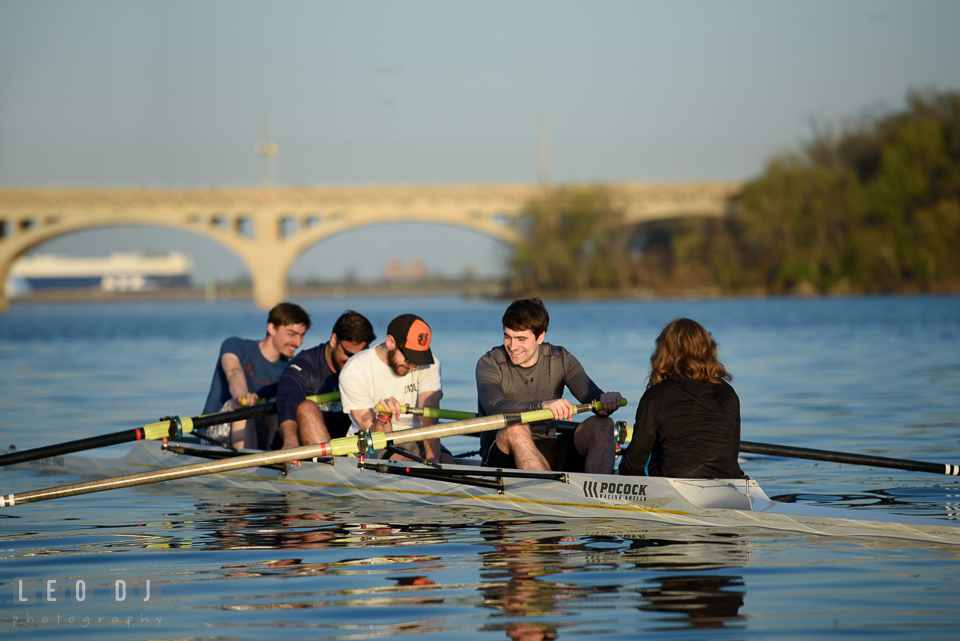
<point>735,504</point>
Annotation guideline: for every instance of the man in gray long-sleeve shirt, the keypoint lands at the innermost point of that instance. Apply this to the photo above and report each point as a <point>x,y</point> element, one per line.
<point>527,374</point>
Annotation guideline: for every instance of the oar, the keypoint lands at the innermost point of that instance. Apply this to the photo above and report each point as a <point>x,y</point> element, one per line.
<point>436,412</point>
<point>363,443</point>
<point>844,457</point>
<point>171,427</point>
<point>429,412</point>
<point>622,431</point>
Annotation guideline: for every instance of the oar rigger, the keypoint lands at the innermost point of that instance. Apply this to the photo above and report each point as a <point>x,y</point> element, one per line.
<point>176,427</point>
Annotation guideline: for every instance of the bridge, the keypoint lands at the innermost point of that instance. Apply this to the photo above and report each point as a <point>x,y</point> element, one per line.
<point>269,228</point>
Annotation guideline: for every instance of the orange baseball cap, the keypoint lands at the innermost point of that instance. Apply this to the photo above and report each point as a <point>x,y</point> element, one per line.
<point>413,338</point>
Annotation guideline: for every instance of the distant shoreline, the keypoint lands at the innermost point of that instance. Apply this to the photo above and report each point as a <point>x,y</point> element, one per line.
<point>481,290</point>
<point>224,294</point>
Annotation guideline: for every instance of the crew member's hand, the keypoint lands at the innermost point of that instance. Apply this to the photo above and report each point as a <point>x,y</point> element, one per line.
<point>393,407</point>
<point>610,402</point>
<point>562,408</point>
<point>248,400</point>
<point>288,444</point>
<point>289,432</point>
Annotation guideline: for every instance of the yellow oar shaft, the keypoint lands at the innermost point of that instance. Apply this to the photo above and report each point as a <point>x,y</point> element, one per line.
<point>436,412</point>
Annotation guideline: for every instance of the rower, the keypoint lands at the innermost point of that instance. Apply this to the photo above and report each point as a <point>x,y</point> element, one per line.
<point>688,420</point>
<point>400,371</point>
<point>247,371</point>
<point>317,371</point>
<point>527,374</point>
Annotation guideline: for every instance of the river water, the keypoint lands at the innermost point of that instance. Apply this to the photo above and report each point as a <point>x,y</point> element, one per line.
<point>873,375</point>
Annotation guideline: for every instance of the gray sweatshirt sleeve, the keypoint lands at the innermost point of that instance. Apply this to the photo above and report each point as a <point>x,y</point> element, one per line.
<point>491,395</point>
<point>580,385</point>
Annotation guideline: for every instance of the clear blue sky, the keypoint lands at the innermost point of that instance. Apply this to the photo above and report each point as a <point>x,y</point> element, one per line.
<point>171,93</point>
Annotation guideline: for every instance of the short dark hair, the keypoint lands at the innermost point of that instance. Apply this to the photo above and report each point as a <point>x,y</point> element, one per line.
<point>288,314</point>
<point>354,328</point>
<point>527,313</point>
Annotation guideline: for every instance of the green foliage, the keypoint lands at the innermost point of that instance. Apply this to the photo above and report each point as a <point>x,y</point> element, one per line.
<point>870,210</point>
<point>574,243</point>
<point>874,209</point>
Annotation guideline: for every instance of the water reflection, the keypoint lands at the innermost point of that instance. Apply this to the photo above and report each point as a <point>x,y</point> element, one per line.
<point>305,568</point>
<point>706,601</point>
<point>515,581</point>
<point>275,526</point>
<point>926,501</point>
<point>282,524</point>
<point>522,582</point>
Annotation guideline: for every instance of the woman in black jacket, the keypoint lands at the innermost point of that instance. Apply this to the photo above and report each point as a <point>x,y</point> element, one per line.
<point>688,421</point>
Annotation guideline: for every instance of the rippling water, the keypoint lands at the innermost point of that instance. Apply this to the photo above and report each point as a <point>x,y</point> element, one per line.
<point>867,375</point>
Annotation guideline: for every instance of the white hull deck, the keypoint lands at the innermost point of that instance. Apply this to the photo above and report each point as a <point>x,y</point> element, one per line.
<point>732,503</point>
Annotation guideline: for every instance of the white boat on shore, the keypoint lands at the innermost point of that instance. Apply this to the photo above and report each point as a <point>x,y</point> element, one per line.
<point>116,273</point>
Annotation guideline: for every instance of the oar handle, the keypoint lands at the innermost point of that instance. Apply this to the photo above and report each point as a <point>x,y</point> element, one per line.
<point>429,412</point>
<point>435,412</point>
<point>597,405</point>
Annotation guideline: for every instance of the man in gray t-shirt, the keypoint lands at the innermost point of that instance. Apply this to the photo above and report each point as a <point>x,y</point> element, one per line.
<point>527,374</point>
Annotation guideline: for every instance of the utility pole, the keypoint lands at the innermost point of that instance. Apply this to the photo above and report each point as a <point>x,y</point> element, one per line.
<point>268,150</point>
<point>544,148</point>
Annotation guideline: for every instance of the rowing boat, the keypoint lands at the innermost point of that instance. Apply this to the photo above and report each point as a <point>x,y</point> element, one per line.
<point>733,504</point>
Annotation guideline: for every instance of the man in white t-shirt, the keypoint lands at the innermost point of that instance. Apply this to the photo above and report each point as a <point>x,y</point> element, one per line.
<point>399,371</point>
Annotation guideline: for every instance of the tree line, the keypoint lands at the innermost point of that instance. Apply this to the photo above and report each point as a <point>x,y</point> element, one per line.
<point>874,207</point>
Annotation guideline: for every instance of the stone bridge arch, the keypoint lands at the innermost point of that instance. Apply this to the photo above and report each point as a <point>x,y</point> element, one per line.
<point>268,229</point>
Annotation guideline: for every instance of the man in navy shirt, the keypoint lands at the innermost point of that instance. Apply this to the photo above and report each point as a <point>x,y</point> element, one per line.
<point>317,371</point>
<point>247,370</point>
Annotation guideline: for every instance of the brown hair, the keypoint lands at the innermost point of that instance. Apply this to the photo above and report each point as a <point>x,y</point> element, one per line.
<point>527,313</point>
<point>684,347</point>
<point>288,314</point>
<point>354,328</point>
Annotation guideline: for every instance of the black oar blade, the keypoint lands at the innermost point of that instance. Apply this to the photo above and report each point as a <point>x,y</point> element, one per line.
<point>845,457</point>
<point>80,445</point>
<point>136,434</point>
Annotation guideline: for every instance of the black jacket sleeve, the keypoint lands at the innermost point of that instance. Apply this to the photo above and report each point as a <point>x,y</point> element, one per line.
<point>644,434</point>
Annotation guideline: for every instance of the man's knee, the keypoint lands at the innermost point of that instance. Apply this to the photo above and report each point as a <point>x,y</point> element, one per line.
<point>594,431</point>
<point>510,437</point>
<point>307,408</point>
<point>599,424</point>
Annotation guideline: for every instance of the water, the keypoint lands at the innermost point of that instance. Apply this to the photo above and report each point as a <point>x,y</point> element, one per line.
<point>868,375</point>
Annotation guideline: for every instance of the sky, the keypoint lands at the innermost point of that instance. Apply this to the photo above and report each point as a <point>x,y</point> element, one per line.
<point>172,93</point>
